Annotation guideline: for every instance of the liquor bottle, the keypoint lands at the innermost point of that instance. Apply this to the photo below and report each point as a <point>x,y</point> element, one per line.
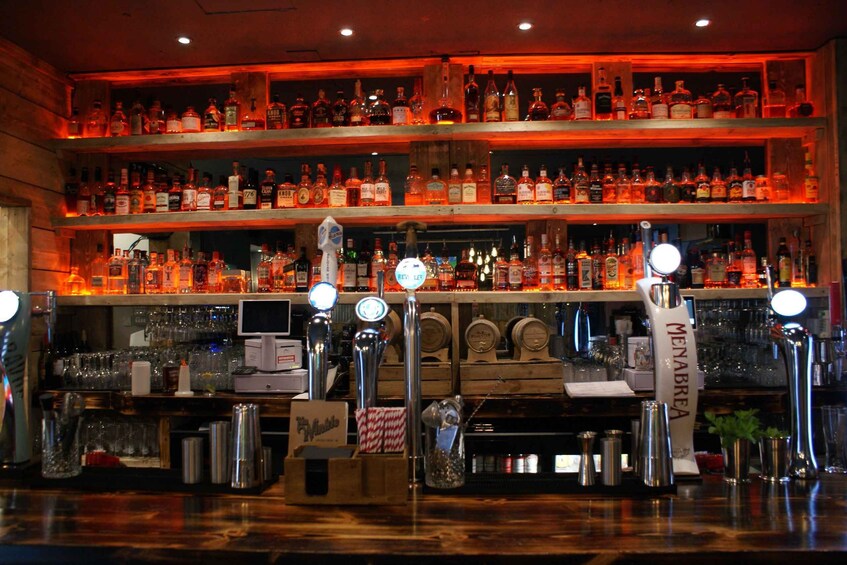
<point>253,119</point>
<point>746,101</point>
<point>670,188</point>
<point>469,186</point>
<point>138,119</point>
<point>602,97</point>
<point>637,186</point>
<point>368,189</point>
<point>299,114</point>
<point>135,274</point>
<point>289,274</point>
<point>337,190</point>
<point>250,191</point>
<point>170,273</point>
<point>718,189</point>
<point>98,273</point>
<point>276,114</point>
<point>543,187</point>
<point>611,268</point>
<point>118,124</point>
<point>619,106</point>
<point>436,190</point>
<point>466,273</point>
<point>734,186</point>
<point>212,274</point>
<point>219,195</point>
<point>302,269</point>
<point>483,186</point>
<point>748,183</point>
<point>136,193</point>
<point>454,186</point>
<point>340,111</point>
<point>472,98</point>
<point>529,273</point>
<point>446,273</point>
<point>107,198</point>
<point>75,128</point>
<point>156,118</point>
<point>116,282</point>
<point>515,267</point>
<point>636,254</point>
<point>173,122</point>
<point>572,267</point>
<point>623,184</point>
<point>810,180</point>
<point>232,112</point>
<point>722,107</point>
<point>538,110</point>
<point>175,196</point>
<point>763,188</point>
<point>204,194</point>
<point>363,268</point>
<point>625,271</point>
<point>279,263</point>
<point>304,188</point>
<point>801,108</point>
<point>781,188</point>
<point>511,107</point>
<point>688,188</point>
<point>773,106</point>
<point>557,266</point>
<point>353,186</point>
<point>734,267</point>
<point>525,190</point>
<point>702,108</point>
<point>562,188</point>
<point>652,188</point>
<point>749,276</point>
<point>148,193</point>
<point>321,111</point>
<point>391,284</point>
<point>582,106</point>
<point>580,184</point>
<point>561,110</point>
<point>315,269</point>
<point>431,267</point>
<point>122,197</point>
<point>189,193</point>
<point>639,106</point>
<point>444,113</point>
<point>186,272</point>
<point>379,111</point>
<point>320,190</point>
<point>811,269</point>
<point>704,186</point>
<point>491,100</point>
<point>598,267</point>
<point>400,112</point>
<point>658,102</point>
<point>501,271</point>
<point>413,188</point>
<point>212,117</point>
<point>234,194</point>
<point>264,270</point>
<point>584,266</point>
<point>358,107</point>
<point>200,274</point>
<point>798,268</point>
<point>349,267</point>
<point>544,265</point>
<point>716,271</point>
<point>595,185</point>
<point>266,189</point>
<point>784,264</point>
<point>416,102</point>
<point>378,265</point>
<point>505,187</point>
<point>382,187</point>
<point>190,120</point>
<point>680,103</point>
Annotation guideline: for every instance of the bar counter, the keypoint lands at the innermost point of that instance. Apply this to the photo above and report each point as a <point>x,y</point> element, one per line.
<point>705,522</point>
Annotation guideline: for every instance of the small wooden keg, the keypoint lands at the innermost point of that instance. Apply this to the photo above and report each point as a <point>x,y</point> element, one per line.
<point>531,336</point>
<point>482,337</point>
<point>435,334</point>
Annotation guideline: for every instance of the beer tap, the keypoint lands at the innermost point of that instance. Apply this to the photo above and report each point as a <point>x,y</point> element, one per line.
<point>369,344</point>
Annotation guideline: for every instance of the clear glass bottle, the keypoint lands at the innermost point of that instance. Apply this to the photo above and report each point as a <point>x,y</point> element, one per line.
<point>320,196</point>
<point>582,106</point>
<point>321,111</point>
<point>170,273</point>
<point>561,110</point>
<point>190,121</point>
<point>746,101</point>
<point>253,119</point>
<point>609,185</point>
<point>718,187</point>
<point>379,111</point>
<point>748,182</point>
<point>466,273</point>
<point>436,190</point>
<point>704,185</point>
<point>382,186</point>
<point>505,187</point>
<point>156,118</point>
<point>545,265</point>
<point>491,100</point>
<point>483,186</point>
<point>304,187</point>
<point>774,105</point>
<point>602,97</point>
<point>619,106</point>
<point>431,266</point>
<point>543,187</point>
<point>559,266</point>
<point>98,273</point>
<point>138,119</point>
<point>538,110</point>
<point>400,113</point>
<point>215,273</point>
<point>749,263</point>
<point>446,273</point>
<point>116,282</point>
<point>391,284</point>
<point>265,270</point>
<point>135,274</point>
<point>639,106</point>
<point>658,101</point>
<point>276,114</point>
<point>286,193</point>
<point>454,186</point>
<point>416,104</point>
<point>469,186</point>
<point>353,185</point>
<point>688,189</point>
<point>624,186</point>
<point>580,184</point>
<point>722,107</point>
<point>74,285</point>
<point>525,190</point>
<point>367,188</point>
<point>679,105</point>
<point>703,108</point>
<point>75,128</point>
<point>413,188</point>
<point>515,267</point>
<point>337,190</point>
<point>529,272</point>
<point>378,265</point>
<point>802,108</point>
<point>637,186</point>
<point>511,107</point>
<point>652,188</point>
<point>118,124</point>
<point>670,188</point>
<point>173,122</point>
<point>472,98</point>
<point>445,113</point>
<point>232,111</point>
<point>200,274</point>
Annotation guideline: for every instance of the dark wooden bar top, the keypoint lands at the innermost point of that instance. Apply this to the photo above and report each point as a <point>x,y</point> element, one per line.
<point>704,523</point>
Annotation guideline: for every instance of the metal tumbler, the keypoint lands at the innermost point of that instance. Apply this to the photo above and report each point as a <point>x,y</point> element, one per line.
<point>192,460</point>
<point>656,456</point>
<point>219,460</point>
<point>246,447</point>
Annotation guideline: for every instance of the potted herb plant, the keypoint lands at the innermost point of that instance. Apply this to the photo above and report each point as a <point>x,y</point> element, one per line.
<point>737,431</point>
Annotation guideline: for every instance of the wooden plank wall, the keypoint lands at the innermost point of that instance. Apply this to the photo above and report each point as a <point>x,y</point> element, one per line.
<point>34,104</point>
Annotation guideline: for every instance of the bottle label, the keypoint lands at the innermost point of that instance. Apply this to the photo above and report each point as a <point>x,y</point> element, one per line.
<point>510,108</point>
<point>285,198</point>
<point>515,275</point>
<point>122,204</point>
<point>162,201</point>
<point>585,274</point>
<point>492,108</point>
<point>469,193</point>
<point>698,275</point>
<point>784,265</point>
<point>504,189</point>
<point>98,281</point>
<point>718,190</point>
<point>337,198</point>
<point>810,186</point>
<point>367,192</point>
<point>273,118</point>
<point>190,123</point>
<point>231,116</point>
<point>301,277</point>
<point>189,199</point>
<point>581,193</point>
<point>704,110</point>
<point>212,121</point>
<point>544,192</point>
<point>135,202</point>
<point>735,190</point>
<point>660,111</point>
<point>559,271</point>
<point>603,102</point>
<point>562,192</point>
<point>748,265</point>
<point>680,111</point>
<point>704,191</point>
<point>204,201</point>
<point>83,205</point>
<point>174,125</point>
<point>723,114</point>
<point>382,193</point>
<point>117,127</point>
<point>595,192</point>
<point>454,193</point>
<point>249,197</point>
<point>582,110</point>
<point>109,202</point>
<point>400,115</point>
<point>748,190</point>
<point>525,192</point>
<point>350,271</point>
<point>304,194</point>
<point>545,270</point>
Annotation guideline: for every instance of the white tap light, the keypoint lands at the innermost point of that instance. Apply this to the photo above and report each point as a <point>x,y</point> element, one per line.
<point>323,296</point>
<point>9,305</point>
<point>788,303</point>
<point>665,259</point>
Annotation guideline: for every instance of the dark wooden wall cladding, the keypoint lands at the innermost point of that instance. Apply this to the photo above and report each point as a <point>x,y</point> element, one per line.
<point>704,523</point>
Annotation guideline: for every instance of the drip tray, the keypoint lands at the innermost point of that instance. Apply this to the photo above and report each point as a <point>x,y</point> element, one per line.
<point>549,483</point>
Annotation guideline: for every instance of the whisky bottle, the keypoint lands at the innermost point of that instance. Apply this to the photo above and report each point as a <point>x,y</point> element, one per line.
<point>358,107</point>
<point>722,108</point>
<point>436,190</point>
<point>688,189</point>
<point>515,267</point>
<point>116,282</point>
<point>276,114</point>
<point>798,268</point>
<point>595,185</point>
<point>501,271</point>
<point>611,275</point>
<point>304,188</point>
<point>679,106</point>
<point>703,108</point>
<point>483,186</point>
<point>368,190</point>
<point>573,274</point>
<point>234,195</point>
<point>748,183</point>
<point>454,186</point>
<point>619,106</point>
<point>156,118</point>
<point>529,273</point>
<point>136,194</point>
<point>189,193</point>
<point>363,268</point>
<point>349,267</point>
<point>286,193</point>
<point>266,189</point>
<point>75,128</point>
<point>543,187</point>
<point>584,269</point>
<point>562,188</point>
<point>212,117</point>
<point>382,187</point>
<point>704,186</point>
<point>299,114</point>
<point>658,102</point>
<point>413,188</point>
<point>801,108</point>
<point>353,185</point>
<point>718,187</point>
<point>466,273</point>
<point>773,105</point>
<point>811,269</point>
<point>733,264</point>
<point>379,111</point>
<point>400,113</point>
<point>122,198</point>
<point>746,101</point>
<point>559,266</point>
<point>321,111</point>
<point>96,121</point>
<point>148,193</point>
<point>602,97</point>
<point>253,119</point>
<point>716,271</point>
<point>545,265</point>
<point>639,106</point>
<point>110,195</point>
<point>431,266</point>
<point>582,106</point>
<point>810,180</point>
<point>561,110</point>
<point>378,265</point>
<point>170,273</point>
<point>337,190</point>
<point>340,111</point>
<point>471,98</point>
<point>175,196</point>
<point>302,269</point>
<point>264,271</point>
<point>190,121</point>
<point>626,274</point>
<point>637,186</point>
<point>598,267</point>
<point>652,188</point>
<point>670,188</point>
<point>391,284</point>
<point>580,183</point>
<point>138,119</point>
<point>173,122</point>
<point>525,191</point>
<point>232,112</point>
<point>118,124</point>
<point>98,273</point>
<point>734,185</point>
<point>538,111</point>
<point>491,100</point>
<point>469,186</point>
<point>749,276</point>
<point>505,187</point>
<point>250,191</point>
<point>445,113</point>
<point>320,196</point>
<point>204,194</point>
<point>416,103</point>
<point>215,273</point>
<point>511,108</point>
<point>135,274</point>
<point>446,273</point>
<point>200,274</point>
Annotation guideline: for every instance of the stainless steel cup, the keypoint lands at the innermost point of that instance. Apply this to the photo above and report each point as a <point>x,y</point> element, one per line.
<point>610,462</point>
<point>775,453</point>
<point>219,460</point>
<point>192,460</point>
<point>655,455</point>
<point>246,447</point>
<point>586,459</point>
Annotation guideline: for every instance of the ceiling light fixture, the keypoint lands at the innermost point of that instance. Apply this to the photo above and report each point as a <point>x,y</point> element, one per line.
<point>524,26</point>
<point>346,31</point>
<point>184,39</point>
<point>702,22</point>
<point>374,153</point>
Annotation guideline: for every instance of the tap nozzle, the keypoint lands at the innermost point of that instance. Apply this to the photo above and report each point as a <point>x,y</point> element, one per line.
<point>412,228</point>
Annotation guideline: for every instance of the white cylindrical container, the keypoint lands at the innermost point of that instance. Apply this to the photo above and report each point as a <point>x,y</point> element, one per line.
<point>140,378</point>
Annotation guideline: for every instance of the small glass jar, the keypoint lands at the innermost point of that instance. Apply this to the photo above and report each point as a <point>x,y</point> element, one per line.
<point>190,121</point>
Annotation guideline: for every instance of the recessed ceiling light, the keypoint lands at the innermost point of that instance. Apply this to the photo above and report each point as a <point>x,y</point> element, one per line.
<point>702,22</point>
<point>524,26</point>
<point>374,153</point>
<point>184,39</point>
<point>346,31</point>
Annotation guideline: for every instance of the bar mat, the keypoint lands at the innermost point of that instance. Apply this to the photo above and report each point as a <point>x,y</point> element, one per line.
<point>150,479</point>
<point>549,483</point>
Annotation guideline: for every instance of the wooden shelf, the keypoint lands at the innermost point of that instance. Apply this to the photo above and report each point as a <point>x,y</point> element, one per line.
<point>396,139</point>
<point>470,214</point>
<point>487,297</point>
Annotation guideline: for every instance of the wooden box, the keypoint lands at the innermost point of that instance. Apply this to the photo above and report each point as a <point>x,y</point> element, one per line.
<point>436,380</point>
<point>364,479</point>
<point>520,377</point>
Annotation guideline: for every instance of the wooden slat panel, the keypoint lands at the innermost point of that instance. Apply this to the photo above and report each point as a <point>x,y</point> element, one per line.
<point>29,163</point>
<point>32,79</point>
<point>14,248</point>
<point>23,118</point>
<point>251,85</point>
<point>47,280</point>
<point>45,204</point>
<point>49,252</point>
<point>432,87</point>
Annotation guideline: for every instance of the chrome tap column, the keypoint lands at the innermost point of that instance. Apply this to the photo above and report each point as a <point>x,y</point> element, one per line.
<point>411,274</point>
<point>369,345</point>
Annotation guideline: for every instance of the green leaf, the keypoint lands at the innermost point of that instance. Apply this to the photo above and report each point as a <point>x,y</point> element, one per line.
<point>742,424</point>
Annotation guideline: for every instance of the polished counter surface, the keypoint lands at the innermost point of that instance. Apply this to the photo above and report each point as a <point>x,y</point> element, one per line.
<point>706,521</point>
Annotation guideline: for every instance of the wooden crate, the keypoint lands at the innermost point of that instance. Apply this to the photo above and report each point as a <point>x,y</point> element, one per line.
<point>527,377</point>
<point>364,479</point>
<point>436,380</point>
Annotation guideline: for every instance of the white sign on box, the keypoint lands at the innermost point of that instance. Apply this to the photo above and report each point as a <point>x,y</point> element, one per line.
<point>289,354</point>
